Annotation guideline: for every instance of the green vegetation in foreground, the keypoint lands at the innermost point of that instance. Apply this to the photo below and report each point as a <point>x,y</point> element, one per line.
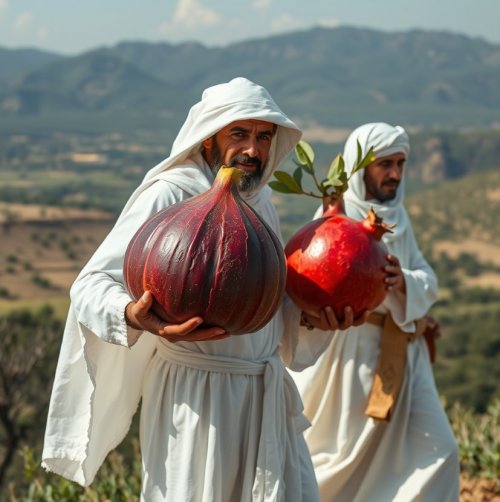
<point>30,344</point>
<point>478,438</point>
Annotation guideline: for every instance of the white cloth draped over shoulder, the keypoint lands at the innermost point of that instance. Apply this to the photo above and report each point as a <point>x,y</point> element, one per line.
<point>356,458</point>
<point>220,420</point>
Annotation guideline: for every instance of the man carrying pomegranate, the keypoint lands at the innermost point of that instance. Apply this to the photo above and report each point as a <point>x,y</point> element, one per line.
<point>221,419</point>
<point>379,432</point>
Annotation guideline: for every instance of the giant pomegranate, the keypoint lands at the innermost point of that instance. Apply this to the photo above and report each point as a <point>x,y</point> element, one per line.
<point>333,260</point>
<point>210,256</point>
<point>337,261</point>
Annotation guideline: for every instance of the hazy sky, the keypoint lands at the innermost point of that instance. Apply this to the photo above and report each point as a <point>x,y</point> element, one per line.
<point>71,27</point>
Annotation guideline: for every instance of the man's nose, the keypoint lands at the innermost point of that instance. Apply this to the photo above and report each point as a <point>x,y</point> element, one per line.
<point>396,172</point>
<point>251,147</point>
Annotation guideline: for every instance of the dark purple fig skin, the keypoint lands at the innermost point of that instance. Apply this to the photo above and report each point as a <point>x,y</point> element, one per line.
<point>210,256</point>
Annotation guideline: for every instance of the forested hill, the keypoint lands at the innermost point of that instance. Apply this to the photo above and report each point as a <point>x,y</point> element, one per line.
<point>335,77</point>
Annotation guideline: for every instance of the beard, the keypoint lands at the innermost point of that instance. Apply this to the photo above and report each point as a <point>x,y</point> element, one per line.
<point>385,192</point>
<point>248,181</point>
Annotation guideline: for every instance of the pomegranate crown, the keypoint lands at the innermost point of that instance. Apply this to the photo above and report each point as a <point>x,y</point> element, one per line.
<point>335,183</point>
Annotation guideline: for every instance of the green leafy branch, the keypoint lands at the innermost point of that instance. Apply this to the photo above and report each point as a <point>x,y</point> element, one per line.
<point>336,181</point>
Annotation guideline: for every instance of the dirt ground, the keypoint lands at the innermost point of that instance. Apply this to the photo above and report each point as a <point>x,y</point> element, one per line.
<point>479,490</point>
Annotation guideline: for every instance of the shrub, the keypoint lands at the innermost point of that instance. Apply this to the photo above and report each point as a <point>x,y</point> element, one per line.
<point>478,438</point>
<point>117,481</point>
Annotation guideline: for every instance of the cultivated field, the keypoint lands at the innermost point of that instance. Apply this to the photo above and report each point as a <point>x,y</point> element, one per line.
<point>41,256</point>
<point>43,248</point>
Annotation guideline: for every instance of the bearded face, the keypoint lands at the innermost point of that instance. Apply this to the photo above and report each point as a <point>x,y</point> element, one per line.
<point>383,177</point>
<point>245,145</point>
<point>250,180</point>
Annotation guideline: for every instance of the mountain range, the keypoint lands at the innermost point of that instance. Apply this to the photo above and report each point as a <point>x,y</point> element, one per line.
<point>329,77</point>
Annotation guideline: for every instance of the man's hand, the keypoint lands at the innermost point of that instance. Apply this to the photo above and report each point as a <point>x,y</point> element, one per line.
<point>327,321</point>
<point>432,327</point>
<point>138,315</point>
<point>431,333</point>
<point>394,279</point>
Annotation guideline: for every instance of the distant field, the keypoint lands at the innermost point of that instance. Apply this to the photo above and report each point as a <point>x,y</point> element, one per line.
<point>40,259</point>
<point>43,249</point>
<point>59,304</point>
<point>30,213</point>
<point>462,213</point>
<point>484,251</point>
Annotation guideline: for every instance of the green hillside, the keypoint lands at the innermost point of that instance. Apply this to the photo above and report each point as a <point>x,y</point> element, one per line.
<point>335,77</point>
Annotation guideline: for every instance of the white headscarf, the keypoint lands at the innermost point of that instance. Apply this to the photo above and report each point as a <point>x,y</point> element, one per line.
<point>220,105</point>
<point>385,140</point>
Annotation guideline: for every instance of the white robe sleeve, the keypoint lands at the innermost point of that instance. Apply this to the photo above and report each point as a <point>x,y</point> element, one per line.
<point>421,285</point>
<point>299,347</point>
<point>99,295</point>
<point>97,386</point>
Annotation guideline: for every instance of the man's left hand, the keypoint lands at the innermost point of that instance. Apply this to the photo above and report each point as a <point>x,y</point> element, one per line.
<point>394,279</point>
<point>326,320</point>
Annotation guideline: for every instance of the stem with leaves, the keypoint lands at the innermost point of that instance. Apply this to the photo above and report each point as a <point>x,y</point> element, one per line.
<point>335,183</point>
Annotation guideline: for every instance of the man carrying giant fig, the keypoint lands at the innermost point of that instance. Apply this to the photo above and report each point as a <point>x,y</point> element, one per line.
<point>221,419</point>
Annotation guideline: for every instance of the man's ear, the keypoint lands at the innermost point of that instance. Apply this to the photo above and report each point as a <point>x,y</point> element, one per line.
<point>207,149</point>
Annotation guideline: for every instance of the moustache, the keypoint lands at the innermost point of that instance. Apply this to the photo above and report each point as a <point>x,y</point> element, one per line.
<point>245,159</point>
<point>391,183</point>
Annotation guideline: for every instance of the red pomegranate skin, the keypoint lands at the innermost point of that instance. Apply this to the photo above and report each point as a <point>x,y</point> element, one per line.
<point>210,256</point>
<point>337,261</point>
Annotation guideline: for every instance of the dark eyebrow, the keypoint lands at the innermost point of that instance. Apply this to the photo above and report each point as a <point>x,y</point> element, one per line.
<point>238,129</point>
<point>272,132</point>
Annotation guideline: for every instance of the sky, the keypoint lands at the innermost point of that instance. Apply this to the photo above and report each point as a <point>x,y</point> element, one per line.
<point>71,27</point>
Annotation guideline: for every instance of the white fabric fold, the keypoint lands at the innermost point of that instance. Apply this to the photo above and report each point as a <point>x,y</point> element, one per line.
<point>281,403</point>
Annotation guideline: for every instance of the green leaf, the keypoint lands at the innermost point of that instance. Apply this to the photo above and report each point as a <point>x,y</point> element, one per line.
<point>305,155</point>
<point>336,167</point>
<point>360,152</point>
<point>344,179</point>
<point>279,187</point>
<point>297,175</point>
<point>289,181</point>
<point>331,182</point>
<point>369,157</point>
<point>365,161</point>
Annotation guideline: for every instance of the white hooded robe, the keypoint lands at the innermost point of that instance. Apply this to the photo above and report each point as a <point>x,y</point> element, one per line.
<point>357,458</point>
<point>221,420</point>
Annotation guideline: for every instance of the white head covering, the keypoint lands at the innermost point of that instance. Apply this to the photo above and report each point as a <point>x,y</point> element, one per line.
<point>220,105</point>
<point>385,140</point>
